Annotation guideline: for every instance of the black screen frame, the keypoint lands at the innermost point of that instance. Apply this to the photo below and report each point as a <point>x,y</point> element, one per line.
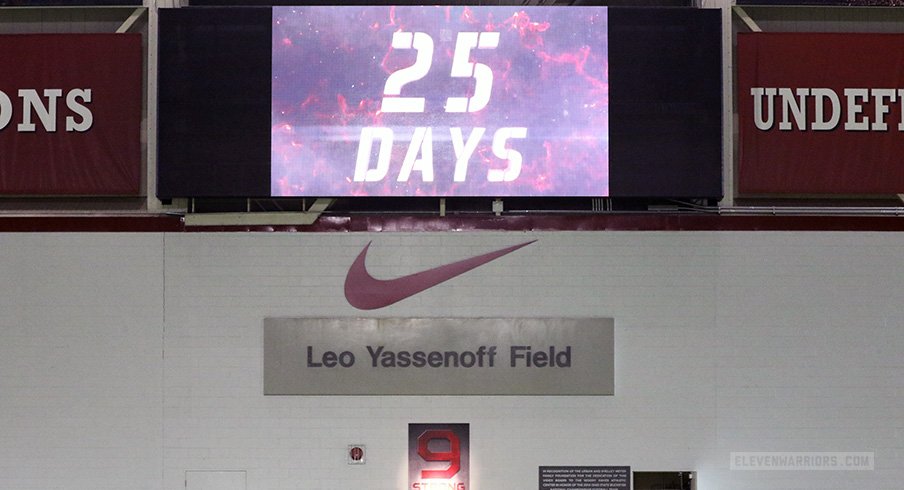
<point>665,103</point>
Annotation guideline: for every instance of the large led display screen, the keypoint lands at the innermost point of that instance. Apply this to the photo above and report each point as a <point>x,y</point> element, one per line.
<point>439,101</point>
<point>484,101</point>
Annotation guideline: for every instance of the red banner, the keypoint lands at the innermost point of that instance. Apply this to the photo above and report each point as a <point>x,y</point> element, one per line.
<point>70,114</point>
<point>820,113</point>
<point>438,456</point>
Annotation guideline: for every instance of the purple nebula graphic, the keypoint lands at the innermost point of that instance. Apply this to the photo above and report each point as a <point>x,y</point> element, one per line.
<point>440,101</point>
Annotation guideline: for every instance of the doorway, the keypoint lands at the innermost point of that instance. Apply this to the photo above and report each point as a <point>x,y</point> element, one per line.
<point>665,480</point>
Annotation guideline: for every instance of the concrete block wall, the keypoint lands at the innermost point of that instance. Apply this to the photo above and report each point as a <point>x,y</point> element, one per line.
<point>725,342</point>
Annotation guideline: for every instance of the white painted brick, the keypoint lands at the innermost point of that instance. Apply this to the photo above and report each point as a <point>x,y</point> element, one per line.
<point>740,341</point>
<point>80,369</point>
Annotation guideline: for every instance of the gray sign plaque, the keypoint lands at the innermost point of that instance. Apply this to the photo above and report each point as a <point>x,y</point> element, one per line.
<point>439,356</point>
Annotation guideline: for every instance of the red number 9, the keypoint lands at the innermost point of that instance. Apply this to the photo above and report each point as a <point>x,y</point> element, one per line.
<point>453,455</point>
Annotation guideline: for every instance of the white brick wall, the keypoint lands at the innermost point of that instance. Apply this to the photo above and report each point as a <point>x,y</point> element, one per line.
<point>746,341</point>
<point>80,361</point>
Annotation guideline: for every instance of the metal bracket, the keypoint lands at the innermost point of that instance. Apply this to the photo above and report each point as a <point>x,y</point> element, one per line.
<point>745,18</point>
<point>497,207</point>
<point>129,23</point>
<point>260,219</point>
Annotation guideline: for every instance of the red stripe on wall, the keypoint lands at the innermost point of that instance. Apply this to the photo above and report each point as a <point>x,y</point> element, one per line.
<point>399,223</point>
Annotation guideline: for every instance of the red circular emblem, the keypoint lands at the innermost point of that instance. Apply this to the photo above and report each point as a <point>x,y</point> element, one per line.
<point>356,453</point>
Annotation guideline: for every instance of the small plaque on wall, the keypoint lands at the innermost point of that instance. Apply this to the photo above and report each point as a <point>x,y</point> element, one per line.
<point>585,477</point>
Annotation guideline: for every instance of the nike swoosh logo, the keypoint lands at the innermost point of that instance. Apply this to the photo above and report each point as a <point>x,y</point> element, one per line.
<point>365,292</point>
